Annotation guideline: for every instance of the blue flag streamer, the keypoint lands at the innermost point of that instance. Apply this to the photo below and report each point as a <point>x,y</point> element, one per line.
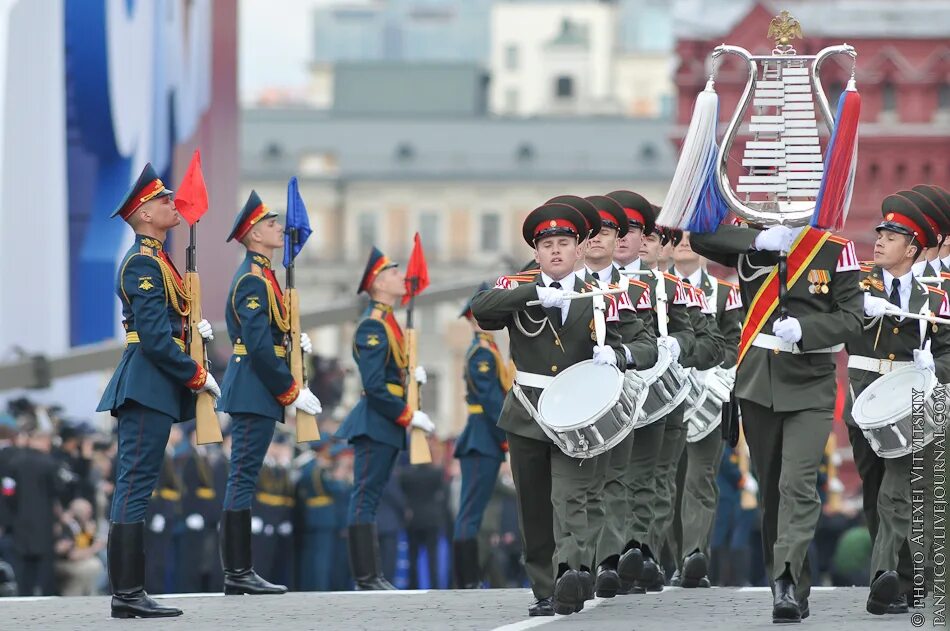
<point>296,218</point>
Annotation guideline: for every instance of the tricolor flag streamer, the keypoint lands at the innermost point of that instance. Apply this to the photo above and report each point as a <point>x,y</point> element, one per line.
<point>841,158</point>
<point>694,201</point>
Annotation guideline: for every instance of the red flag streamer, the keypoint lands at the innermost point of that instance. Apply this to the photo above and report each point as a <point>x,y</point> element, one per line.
<point>417,271</point>
<point>191,199</point>
<point>834,196</point>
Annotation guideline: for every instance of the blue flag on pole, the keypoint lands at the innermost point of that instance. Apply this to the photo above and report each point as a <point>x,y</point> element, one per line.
<point>296,218</point>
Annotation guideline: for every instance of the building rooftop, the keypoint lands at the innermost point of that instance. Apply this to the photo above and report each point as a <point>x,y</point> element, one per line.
<point>854,19</point>
<point>322,145</point>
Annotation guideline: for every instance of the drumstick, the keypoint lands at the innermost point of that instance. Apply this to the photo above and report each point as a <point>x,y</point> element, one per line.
<point>917,316</point>
<point>575,295</point>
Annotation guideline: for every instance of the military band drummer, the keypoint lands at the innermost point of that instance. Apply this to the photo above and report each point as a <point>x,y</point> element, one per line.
<point>551,486</point>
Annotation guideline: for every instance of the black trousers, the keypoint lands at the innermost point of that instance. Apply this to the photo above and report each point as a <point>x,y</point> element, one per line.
<point>427,538</point>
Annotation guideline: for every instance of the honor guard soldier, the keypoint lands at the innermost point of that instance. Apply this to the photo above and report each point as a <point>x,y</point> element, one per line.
<point>258,385</point>
<point>608,516</point>
<point>152,387</point>
<point>481,447</point>
<point>551,487</point>
<point>376,426</point>
<point>887,343</point>
<point>786,383</point>
<point>929,202</point>
<point>696,509</point>
<point>940,197</point>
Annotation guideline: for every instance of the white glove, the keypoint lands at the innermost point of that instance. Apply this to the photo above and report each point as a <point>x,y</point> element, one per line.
<point>776,238</point>
<point>285,528</point>
<point>307,402</point>
<point>158,523</point>
<point>604,355</point>
<point>422,421</point>
<point>211,386</point>
<point>257,525</point>
<point>305,344</point>
<point>924,360</point>
<point>750,485</point>
<point>671,344</point>
<point>551,297</point>
<point>204,330</point>
<point>874,306</point>
<point>788,330</point>
<point>195,521</point>
<point>421,376</point>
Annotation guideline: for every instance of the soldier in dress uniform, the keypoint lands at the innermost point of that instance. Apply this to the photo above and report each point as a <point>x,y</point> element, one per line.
<point>481,447</point>
<point>887,343</point>
<point>699,493</point>
<point>786,383</point>
<point>376,426</point>
<point>707,352</point>
<point>608,516</point>
<point>152,387</point>
<point>258,385</point>
<point>544,340</point>
<point>196,548</point>
<point>929,202</point>
<point>638,567</point>
<point>939,197</point>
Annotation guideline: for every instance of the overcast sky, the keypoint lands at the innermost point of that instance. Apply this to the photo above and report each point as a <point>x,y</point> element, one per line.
<point>275,45</point>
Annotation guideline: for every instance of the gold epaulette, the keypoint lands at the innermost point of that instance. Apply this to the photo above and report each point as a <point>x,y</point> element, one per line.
<point>672,277</point>
<point>865,268</point>
<point>726,283</point>
<point>257,270</point>
<point>839,240</point>
<point>931,289</point>
<point>944,274</point>
<point>522,278</point>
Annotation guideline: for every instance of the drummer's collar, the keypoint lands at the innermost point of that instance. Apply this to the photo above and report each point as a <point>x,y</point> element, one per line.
<point>946,260</point>
<point>695,279</point>
<point>599,274</point>
<point>633,265</point>
<point>919,268</point>
<point>567,283</point>
<point>906,281</point>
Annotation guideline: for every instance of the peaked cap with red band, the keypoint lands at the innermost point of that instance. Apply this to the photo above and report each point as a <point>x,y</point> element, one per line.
<point>584,207</point>
<point>612,214</point>
<point>147,187</point>
<point>639,211</point>
<point>553,220</point>
<point>932,213</point>
<point>936,196</point>
<point>254,211</point>
<point>902,216</point>
<point>377,263</point>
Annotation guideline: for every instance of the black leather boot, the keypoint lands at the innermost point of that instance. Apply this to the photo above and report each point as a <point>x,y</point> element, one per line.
<point>784,606</point>
<point>607,584</point>
<point>885,590</point>
<point>365,562</point>
<point>541,607</point>
<point>630,566</point>
<point>239,574</point>
<point>465,563</point>
<point>126,553</point>
<point>694,570</point>
<point>568,591</point>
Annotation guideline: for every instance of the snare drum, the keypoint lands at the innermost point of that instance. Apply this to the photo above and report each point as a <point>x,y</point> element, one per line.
<point>589,408</point>
<point>669,386</point>
<point>884,412</point>
<point>707,416</point>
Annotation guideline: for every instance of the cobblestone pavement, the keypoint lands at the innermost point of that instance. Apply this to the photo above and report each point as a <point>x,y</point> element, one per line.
<point>841,609</point>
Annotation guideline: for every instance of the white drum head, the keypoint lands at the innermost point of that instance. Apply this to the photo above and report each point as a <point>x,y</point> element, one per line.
<point>582,393</point>
<point>663,361</point>
<point>888,399</point>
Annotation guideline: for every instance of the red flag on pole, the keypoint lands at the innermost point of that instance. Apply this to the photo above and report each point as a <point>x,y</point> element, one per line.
<point>191,198</point>
<point>417,271</point>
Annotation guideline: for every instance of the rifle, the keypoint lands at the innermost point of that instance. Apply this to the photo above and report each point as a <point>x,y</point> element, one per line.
<point>307,429</point>
<point>207,429</point>
<point>419,452</point>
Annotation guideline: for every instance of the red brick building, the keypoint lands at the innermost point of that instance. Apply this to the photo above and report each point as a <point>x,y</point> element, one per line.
<point>903,76</point>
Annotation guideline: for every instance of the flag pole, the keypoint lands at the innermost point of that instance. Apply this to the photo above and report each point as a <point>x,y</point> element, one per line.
<point>419,452</point>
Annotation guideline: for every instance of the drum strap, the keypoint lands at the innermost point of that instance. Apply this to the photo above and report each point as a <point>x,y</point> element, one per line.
<point>533,380</point>
<point>773,343</point>
<point>661,303</point>
<point>874,364</point>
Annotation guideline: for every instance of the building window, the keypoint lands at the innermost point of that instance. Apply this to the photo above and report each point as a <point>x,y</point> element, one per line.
<point>900,170</point>
<point>511,57</point>
<point>366,230</point>
<point>943,97</point>
<point>564,87</point>
<point>525,152</point>
<point>888,97</point>
<point>874,171</point>
<point>490,233</point>
<point>405,152</point>
<point>511,100</point>
<point>429,224</point>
